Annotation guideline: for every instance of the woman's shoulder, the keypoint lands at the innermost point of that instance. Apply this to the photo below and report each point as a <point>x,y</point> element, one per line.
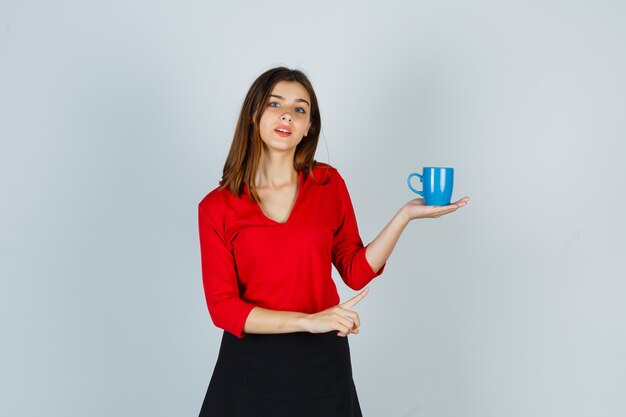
<point>323,165</point>
<point>324,172</point>
<point>216,198</point>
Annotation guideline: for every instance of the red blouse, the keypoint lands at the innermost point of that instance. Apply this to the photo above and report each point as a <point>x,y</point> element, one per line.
<point>251,260</point>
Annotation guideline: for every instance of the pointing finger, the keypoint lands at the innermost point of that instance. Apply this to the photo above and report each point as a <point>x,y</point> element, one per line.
<point>354,300</point>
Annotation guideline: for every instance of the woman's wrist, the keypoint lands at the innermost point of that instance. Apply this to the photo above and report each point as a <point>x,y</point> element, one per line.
<point>266,321</point>
<point>403,216</point>
<point>301,322</point>
<point>291,321</point>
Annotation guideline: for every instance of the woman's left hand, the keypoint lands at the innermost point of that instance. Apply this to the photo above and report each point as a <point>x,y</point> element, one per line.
<point>417,209</point>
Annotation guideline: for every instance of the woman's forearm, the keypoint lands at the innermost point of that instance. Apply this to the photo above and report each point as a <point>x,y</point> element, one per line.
<point>379,250</point>
<point>265,321</point>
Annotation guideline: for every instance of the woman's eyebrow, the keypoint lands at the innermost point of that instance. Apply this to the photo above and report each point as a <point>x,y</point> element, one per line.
<point>300,100</point>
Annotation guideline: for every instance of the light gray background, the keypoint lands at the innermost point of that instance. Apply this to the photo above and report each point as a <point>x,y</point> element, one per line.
<point>115,120</point>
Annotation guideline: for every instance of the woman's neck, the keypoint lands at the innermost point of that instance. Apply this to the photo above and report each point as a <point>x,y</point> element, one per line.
<point>275,171</point>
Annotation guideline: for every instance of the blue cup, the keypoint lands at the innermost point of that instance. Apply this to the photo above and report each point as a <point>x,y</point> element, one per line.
<point>437,185</point>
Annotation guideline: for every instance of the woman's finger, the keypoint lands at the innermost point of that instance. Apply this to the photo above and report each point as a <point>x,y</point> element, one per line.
<point>354,300</point>
<point>347,323</point>
<point>353,331</point>
<point>356,319</point>
<point>351,315</point>
<point>353,322</point>
<point>449,211</point>
<point>343,328</point>
<point>444,210</point>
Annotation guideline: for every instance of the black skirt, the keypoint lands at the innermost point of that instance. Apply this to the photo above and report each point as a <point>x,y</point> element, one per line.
<point>282,375</point>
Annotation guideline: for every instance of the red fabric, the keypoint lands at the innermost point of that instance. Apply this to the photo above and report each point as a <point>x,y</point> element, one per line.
<point>251,260</point>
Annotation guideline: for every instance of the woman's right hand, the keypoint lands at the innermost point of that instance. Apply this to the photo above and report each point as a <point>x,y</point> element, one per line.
<point>417,209</point>
<point>339,317</point>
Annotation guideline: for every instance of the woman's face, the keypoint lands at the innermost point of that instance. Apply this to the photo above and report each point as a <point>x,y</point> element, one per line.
<point>288,109</point>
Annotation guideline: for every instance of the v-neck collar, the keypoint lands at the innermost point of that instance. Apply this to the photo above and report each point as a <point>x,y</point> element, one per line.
<point>295,204</point>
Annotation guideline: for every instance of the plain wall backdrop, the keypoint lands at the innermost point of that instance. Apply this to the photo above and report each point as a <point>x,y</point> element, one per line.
<point>116,118</point>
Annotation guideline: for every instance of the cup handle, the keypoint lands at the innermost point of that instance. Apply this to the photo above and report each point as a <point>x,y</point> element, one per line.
<point>411,187</point>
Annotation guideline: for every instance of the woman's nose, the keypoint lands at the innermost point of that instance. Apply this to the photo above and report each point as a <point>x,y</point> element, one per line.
<point>286,116</point>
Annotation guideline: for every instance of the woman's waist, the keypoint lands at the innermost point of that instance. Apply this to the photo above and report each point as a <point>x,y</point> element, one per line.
<point>309,302</point>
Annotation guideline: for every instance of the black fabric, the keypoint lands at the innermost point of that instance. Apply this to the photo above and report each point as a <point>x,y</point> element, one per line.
<point>282,375</point>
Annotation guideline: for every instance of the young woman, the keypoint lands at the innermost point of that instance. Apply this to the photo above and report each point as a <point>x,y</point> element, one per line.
<point>268,235</point>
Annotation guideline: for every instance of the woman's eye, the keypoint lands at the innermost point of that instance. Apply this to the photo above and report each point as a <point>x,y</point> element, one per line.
<point>276,104</point>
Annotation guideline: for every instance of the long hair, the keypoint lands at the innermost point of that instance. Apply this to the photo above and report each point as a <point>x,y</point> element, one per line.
<point>245,151</point>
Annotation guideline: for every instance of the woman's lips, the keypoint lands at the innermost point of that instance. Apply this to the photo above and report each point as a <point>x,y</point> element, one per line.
<point>282,134</point>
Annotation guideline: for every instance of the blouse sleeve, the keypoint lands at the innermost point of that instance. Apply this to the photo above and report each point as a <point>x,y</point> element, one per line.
<point>227,310</point>
<point>348,252</point>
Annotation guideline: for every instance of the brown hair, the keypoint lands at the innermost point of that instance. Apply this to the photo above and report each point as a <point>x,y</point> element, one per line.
<point>245,151</point>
